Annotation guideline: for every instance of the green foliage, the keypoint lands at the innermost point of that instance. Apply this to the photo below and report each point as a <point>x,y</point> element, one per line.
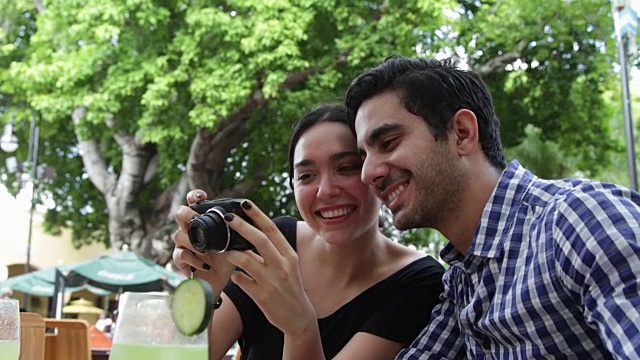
<point>566,49</point>
<point>620,171</point>
<point>543,158</point>
<point>428,240</point>
<point>162,69</point>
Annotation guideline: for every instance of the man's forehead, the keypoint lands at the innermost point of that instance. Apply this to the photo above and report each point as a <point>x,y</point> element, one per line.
<point>376,109</point>
<point>361,126</point>
<point>365,121</point>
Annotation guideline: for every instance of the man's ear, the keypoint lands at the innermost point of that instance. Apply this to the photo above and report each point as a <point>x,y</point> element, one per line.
<point>464,128</point>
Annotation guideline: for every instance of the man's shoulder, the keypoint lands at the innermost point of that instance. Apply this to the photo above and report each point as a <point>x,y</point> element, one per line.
<point>591,198</point>
<point>587,216</point>
<point>575,193</point>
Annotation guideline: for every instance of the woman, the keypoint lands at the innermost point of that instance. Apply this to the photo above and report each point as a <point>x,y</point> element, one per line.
<point>334,286</point>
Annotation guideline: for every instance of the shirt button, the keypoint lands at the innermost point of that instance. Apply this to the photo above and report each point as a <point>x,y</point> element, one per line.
<point>486,343</point>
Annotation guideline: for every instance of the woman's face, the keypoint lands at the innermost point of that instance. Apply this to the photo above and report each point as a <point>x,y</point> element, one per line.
<point>326,181</point>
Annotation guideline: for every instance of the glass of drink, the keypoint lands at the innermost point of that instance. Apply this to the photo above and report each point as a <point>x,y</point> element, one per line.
<point>144,330</point>
<point>9,329</point>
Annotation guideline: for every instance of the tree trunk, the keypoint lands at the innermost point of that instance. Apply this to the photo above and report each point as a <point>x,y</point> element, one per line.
<point>150,234</point>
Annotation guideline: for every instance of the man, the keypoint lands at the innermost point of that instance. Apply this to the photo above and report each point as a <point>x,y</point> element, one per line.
<point>539,269</point>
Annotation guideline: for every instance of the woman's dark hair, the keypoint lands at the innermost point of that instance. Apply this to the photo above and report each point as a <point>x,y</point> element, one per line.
<point>434,90</point>
<point>321,114</point>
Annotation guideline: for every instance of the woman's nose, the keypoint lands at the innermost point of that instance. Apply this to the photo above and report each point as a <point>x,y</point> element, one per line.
<point>328,189</point>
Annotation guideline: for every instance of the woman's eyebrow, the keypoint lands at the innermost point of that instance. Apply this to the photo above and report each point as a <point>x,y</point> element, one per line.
<point>303,162</point>
<point>344,154</point>
<point>335,157</point>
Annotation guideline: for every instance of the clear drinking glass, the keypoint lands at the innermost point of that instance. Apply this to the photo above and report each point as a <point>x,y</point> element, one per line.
<point>9,329</point>
<point>145,330</point>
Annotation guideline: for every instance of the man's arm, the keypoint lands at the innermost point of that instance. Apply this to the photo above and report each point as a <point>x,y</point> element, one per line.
<point>602,267</point>
<point>441,338</point>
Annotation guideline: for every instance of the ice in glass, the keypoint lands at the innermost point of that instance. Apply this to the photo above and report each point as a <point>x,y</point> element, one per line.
<point>9,329</point>
<point>145,330</point>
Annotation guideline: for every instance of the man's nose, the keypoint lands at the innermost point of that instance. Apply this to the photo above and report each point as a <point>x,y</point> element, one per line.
<point>373,171</point>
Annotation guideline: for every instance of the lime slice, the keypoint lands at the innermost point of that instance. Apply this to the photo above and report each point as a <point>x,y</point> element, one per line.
<point>192,306</point>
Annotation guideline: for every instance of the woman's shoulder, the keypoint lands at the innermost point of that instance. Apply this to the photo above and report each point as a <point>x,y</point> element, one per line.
<point>305,233</point>
<point>412,266</point>
<point>422,266</point>
<point>409,259</point>
<point>298,233</point>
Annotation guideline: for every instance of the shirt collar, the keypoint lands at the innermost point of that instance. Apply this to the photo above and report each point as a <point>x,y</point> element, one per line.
<point>497,218</point>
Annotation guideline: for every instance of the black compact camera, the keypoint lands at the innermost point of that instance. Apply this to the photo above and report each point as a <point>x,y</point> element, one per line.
<point>209,231</point>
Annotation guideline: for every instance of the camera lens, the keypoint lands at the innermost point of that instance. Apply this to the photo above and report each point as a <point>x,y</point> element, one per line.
<point>209,231</point>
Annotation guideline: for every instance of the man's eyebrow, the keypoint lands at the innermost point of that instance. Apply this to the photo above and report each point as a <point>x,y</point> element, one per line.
<point>380,131</point>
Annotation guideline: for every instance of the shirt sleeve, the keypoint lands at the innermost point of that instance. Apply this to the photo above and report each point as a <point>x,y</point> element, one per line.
<point>598,261</point>
<point>441,338</point>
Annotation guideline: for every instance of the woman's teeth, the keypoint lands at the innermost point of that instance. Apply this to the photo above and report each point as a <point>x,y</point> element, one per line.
<point>335,213</point>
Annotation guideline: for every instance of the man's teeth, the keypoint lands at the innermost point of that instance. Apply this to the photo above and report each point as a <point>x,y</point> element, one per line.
<point>395,194</point>
<point>335,213</point>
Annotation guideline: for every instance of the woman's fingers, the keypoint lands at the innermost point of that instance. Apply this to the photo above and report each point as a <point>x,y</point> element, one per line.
<point>183,216</point>
<point>264,234</point>
<point>181,239</point>
<point>248,261</point>
<point>257,279</point>
<point>246,283</point>
<point>183,246</point>
<point>196,195</point>
<point>254,234</point>
<point>267,226</point>
<point>184,259</point>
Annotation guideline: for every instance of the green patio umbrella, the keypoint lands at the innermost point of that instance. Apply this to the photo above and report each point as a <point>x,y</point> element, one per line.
<point>126,271</point>
<point>42,283</point>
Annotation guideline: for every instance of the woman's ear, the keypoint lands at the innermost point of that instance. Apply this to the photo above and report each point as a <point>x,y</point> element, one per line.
<point>464,128</point>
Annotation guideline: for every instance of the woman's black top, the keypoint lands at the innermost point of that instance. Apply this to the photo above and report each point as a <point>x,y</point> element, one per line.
<point>395,308</point>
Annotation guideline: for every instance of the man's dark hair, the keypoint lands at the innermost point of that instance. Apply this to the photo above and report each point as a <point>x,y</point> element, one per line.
<point>434,90</point>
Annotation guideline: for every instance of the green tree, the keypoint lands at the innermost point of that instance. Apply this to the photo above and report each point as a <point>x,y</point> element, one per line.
<point>619,172</point>
<point>545,158</point>
<point>561,53</point>
<point>140,100</point>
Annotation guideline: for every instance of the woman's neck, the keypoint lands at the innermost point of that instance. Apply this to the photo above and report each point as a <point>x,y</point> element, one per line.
<point>353,261</point>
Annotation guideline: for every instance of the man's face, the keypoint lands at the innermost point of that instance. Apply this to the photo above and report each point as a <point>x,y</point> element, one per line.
<point>417,178</point>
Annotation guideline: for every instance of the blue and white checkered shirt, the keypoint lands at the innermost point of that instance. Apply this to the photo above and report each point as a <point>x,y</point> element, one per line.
<point>553,272</point>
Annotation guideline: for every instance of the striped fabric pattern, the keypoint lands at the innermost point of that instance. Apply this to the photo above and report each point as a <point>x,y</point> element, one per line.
<point>553,272</point>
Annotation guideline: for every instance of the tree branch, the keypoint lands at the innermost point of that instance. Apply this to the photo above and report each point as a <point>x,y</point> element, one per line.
<point>197,163</point>
<point>39,4</point>
<point>209,151</point>
<point>497,64</point>
<point>92,158</point>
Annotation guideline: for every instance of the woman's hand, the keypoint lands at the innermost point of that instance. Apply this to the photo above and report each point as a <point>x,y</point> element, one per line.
<point>211,266</point>
<point>272,276</point>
